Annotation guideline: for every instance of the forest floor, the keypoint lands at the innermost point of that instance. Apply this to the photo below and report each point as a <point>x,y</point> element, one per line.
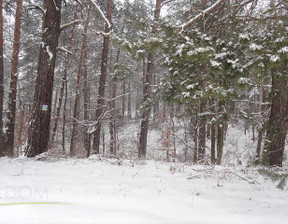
<point>113,191</point>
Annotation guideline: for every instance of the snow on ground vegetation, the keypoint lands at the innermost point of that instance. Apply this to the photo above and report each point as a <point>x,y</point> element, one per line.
<point>99,190</point>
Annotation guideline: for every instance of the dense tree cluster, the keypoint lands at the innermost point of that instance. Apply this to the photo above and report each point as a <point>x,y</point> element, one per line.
<point>75,72</point>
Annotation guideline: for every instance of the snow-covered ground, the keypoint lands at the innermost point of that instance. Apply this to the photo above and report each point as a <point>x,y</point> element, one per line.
<point>93,191</point>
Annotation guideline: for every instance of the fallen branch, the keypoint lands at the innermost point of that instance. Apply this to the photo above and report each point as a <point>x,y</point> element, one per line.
<point>244,178</point>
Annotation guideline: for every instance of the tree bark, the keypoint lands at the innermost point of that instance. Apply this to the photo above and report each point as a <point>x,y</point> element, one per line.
<point>123,98</point>
<point>38,133</point>
<point>202,132</point>
<point>129,106</point>
<point>86,135</point>
<point>102,82</point>
<point>77,88</point>
<point>213,143</point>
<point>220,142</point>
<point>112,125</point>
<point>2,153</point>
<point>194,134</point>
<point>220,132</point>
<point>261,130</point>
<point>278,120</point>
<point>142,147</point>
<point>13,83</point>
<point>64,79</point>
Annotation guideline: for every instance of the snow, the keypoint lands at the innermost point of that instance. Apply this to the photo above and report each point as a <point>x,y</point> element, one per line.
<point>283,50</point>
<point>255,47</point>
<point>50,54</point>
<point>93,191</point>
<point>199,50</point>
<point>244,36</point>
<point>274,58</point>
<point>215,63</point>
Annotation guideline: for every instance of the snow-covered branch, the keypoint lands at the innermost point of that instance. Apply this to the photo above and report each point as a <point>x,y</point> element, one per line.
<point>200,15</point>
<point>38,7</point>
<point>101,13</point>
<point>67,25</point>
<point>64,50</point>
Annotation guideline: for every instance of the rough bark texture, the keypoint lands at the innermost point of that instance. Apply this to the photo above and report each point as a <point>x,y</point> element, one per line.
<point>64,80</point>
<point>220,133</point>
<point>129,106</point>
<point>102,82</point>
<point>1,81</point>
<point>147,92</point>
<point>213,143</point>
<point>38,133</point>
<point>194,133</point>
<point>278,120</point>
<point>86,96</point>
<point>220,142</point>
<point>76,110</point>
<point>123,98</point>
<point>146,108</point>
<point>112,125</point>
<point>13,83</point>
<point>202,133</point>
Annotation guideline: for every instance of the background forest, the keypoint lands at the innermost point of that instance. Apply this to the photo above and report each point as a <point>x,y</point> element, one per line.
<point>164,79</point>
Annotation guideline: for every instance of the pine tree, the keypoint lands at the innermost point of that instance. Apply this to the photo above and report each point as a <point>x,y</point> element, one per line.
<point>39,128</point>
<point>11,115</point>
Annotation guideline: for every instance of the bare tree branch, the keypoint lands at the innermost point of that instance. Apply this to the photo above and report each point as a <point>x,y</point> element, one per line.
<point>38,7</point>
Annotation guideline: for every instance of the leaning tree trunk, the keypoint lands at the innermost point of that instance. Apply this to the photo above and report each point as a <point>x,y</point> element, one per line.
<point>2,153</point>
<point>278,120</point>
<point>147,92</point>
<point>102,82</point>
<point>38,133</point>
<point>13,83</point>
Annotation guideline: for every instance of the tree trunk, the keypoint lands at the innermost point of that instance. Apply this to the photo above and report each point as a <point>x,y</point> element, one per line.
<point>64,79</point>
<point>77,88</point>
<point>278,120</point>
<point>102,82</point>
<point>64,115</point>
<point>213,143</point>
<point>123,98</point>
<point>220,133</point>
<point>2,153</point>
<point>220,142</point>
<point>112,127</point>
<point>86,135</point>
<point>157,103</point>
<point>38,133</point>
<point>147,92</point>
<point>202,132</point>
<point>194,130</point>
<point>261,130</point>
<point>129,106</point>
<point>13,83</point>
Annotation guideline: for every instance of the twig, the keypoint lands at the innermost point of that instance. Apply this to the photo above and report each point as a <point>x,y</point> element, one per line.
<point>244,178</point>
